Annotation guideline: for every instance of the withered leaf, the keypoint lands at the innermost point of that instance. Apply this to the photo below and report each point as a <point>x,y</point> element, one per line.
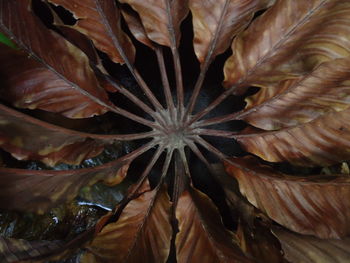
<point>202,236</point>
<point>136,27</point>
<point>324,90</point>
<point>141,234</point>
<point>307,249</point>
<point>161,19</point>
<point>53,52</point>
<point>38,191</point>
<point>29,84</point>
<point>100,21</point>
<point>289,39</point>
<point>321,142</point>
<point>313,205</point>
<point>27,138</point>
<point>215,23</point>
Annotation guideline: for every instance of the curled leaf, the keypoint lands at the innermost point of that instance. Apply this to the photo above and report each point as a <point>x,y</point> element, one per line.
<point>201,232</point>
<point>95,20</point>
<point>141,234</point>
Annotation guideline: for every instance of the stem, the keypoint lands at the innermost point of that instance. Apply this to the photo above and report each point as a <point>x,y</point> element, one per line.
<point>129,137</point>
<point>176,58</point>
<point>133,117</point>
<point>212,105</point>
<point>205,66</point>
<point>134,99</point>
<point>210,147</point>
<point>136,153</point>
<point>112,34</point>
<point>220,119</point>
<point>213,132</point>
<point>198,153</point>
<point>166,164</point>
<point>166,87</point>
<point>181,169</point>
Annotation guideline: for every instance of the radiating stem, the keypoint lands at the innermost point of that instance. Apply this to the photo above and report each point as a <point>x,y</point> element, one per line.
<point>166,164</point>
<point>177,62</point>
<point>219,119</point>
<point>128,137</point>
<point>210,147</point>
<point>214,132</point>
<point>181,175</point>
<point>127,61</point>
<point>133,117</point>
<point>166,86</point>
<point>134,99</point>
<point>136,153</point>
<point>211,106</point>
<point>198,153</point>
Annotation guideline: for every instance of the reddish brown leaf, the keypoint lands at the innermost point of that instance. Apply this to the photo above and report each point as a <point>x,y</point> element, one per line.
<point>141,234</point>
<point>259,243</point>
<point>38,191</point>
<point>326,89</point>
<point>291,38</point>
<point>62,59</point>
<point>321,142</point>
<point>29,138</point>
<point>95,20</point>
<point>29,84</point>
<point>136,27</point>
<point>215,23</point>
<point>202,236</point>
<point>160,18</point>
<point>306,249</point>
<point>312,205</point>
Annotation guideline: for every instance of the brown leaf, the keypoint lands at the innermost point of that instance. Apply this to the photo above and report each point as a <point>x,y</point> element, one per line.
<point>15,250</point>
<point>289,39</point>
<point>321,142</point>
<point>29,84</point>
<point>160,18</point>
<point>27,138</point>
<point>312,205</point>
<point>260,243</point>
<point>38,191</point>
<point>215,23</point>
<point>202,236</point>
<point>62,59</point>
<point>326,89</point>
<point>96,20</point>
<point>141,234</point>
<point>136,27</point>
<point>307,249</point>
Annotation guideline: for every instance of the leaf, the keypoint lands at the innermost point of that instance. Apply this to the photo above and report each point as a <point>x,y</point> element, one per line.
<point>27,138</point>
<point>100,21</point>
<point>29,84</point>
<point>312,205</point>
<point>307,249</point>
<point>215,23</point>
<point>64,60</point>
<point>288,40</point>
<point>141,234</point>
<point>136,27</point>
<point>323,91</point>
<point>259,242</point>
<point>161,18</point>
<point>39,191</point>
<point>16,250</point>
<point>202,236</point>
<point>321,142</point>
<point>6,41</point>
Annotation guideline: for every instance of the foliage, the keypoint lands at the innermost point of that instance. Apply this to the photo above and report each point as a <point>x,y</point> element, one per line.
<point>172,125</point>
